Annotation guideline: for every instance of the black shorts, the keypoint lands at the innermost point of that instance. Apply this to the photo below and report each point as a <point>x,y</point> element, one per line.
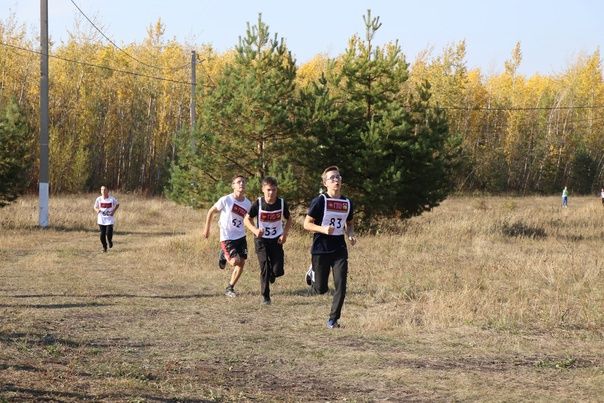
<point>234,248</point>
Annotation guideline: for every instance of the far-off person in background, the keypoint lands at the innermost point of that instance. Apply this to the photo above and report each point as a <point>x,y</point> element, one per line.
<point>602,196</point>
<point>565,197</point>
<point>105,206</point>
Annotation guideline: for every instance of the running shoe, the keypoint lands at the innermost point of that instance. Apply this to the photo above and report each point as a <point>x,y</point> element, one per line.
<point>310,276</point>
<point>230,292</point>
<point>332,324</point>
<point>221,260</point>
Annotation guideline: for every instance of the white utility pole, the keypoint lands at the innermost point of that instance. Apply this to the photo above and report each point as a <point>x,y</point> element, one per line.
<point>43,182</point>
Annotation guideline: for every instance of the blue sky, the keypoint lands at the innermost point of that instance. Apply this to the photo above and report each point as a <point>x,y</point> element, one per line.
<point>552,33</point>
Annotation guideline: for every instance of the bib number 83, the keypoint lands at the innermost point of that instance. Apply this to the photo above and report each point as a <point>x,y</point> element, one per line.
<point>335,222</point>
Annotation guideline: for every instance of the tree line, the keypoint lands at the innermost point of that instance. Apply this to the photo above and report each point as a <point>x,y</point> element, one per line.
<point>417,130</point>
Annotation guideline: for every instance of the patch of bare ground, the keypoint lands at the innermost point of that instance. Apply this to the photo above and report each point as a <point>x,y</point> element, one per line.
<point>454,307</point>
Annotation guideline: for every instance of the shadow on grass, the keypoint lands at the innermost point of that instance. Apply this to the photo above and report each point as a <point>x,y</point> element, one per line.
<point>53,306</point>
<point>523,230</point>
<point>148,233</point>
<point>39,339</point>
<point>65,228</point>
<point>45,395</point>
<point>306,292</point>
<point>27,368</point>
<point>31,394</point>
<point>191,296</point>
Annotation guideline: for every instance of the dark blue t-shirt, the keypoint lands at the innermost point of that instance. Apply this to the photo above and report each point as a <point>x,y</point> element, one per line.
<point>323,244</point>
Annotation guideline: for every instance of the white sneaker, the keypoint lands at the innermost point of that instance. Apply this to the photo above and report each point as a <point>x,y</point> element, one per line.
<point>230,292</point>
<point>310,276</point>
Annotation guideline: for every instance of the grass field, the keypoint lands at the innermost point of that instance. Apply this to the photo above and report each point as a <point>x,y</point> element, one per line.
<point>482,299</point>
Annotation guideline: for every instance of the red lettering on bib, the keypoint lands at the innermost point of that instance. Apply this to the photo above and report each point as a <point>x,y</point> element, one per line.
<point>269,216</point>
<point>334,205</point>
<point>106,205</point>
<point>240,211</point>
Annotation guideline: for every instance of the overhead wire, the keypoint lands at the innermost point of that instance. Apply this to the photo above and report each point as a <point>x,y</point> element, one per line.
<point>456,108</point>
<point>97,65</point>
<point>122,50</point>
<point>486,109</point>
<point>528,108</point>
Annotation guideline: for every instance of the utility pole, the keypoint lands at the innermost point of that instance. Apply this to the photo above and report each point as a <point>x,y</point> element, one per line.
<point>193,79</point>
<point>43,181</point>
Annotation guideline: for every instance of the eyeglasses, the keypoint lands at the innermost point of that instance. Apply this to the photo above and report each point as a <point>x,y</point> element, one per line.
<point>334,178</point>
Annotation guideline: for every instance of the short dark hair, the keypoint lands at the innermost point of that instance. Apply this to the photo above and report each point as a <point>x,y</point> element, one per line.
<point>329,168</point>
<point>238,176</point>
<point>269,180</point>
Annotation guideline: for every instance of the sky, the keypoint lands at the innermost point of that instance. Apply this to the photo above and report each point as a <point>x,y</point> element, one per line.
<point>552,33</point>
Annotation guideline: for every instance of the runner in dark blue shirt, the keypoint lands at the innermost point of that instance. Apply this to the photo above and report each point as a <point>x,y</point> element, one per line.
<point>330,218</point>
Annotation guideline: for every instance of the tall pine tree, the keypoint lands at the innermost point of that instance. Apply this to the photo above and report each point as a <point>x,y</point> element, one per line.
<point>246,121</point>
<point>390,144</point>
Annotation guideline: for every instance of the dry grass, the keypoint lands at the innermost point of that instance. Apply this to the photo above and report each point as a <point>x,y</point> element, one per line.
<point>495,299</point>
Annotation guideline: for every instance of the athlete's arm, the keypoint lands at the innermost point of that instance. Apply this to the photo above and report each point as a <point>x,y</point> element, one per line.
<point>117,205</point>
<point>350,232</point>
<point>211,212</point>
<point>249,224</point>
<point>288,224</point>
<point>309,225</point>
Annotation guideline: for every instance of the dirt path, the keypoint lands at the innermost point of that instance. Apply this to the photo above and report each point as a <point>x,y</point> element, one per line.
<point>147,321</point>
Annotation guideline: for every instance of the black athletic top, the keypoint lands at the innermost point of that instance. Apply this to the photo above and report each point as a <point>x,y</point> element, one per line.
<point>323,244</point>
<point>253,213</point>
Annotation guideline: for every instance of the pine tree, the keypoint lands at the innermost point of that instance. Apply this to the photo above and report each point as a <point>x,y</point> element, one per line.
<point>14,159</point>
<point>246,121</point>
<point>391,147</point>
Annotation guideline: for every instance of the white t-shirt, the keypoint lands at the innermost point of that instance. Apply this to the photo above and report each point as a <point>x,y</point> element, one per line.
<point>232,212</point>
<point>106,207</point>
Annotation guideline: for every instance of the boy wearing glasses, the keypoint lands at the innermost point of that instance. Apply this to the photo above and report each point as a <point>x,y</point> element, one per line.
<point>233,208</point>
<point>329,217</point>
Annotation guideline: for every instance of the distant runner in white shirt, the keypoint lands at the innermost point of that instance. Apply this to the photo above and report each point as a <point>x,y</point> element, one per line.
<point>233,208</point>
<point>602,196</point>
<point>105,207</point>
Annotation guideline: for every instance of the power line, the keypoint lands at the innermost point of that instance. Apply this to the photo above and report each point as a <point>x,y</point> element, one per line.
<point>504,109</point>
<point>122,50</point>
<point>97,66</point>
<point>457,108</point>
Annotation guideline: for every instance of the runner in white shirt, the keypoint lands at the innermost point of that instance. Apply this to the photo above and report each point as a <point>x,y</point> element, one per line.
<point>105,207</point>
<point>233,208</point>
